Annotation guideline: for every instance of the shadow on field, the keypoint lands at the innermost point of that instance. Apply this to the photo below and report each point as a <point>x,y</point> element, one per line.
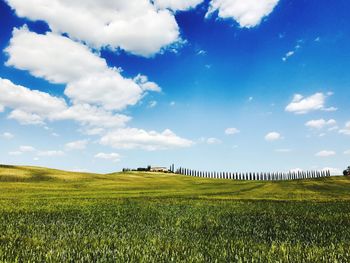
<point>23,174</point>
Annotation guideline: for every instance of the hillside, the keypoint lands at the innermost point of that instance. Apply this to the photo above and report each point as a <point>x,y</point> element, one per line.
<point>49,215</point>
<point>62,184</point>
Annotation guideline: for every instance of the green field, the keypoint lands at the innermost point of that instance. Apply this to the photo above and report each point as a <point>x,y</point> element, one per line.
<point>49,215</point>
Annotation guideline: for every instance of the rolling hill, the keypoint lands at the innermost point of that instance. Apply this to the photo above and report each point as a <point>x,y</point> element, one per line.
<point>48,215</point>
<point>54,183</point>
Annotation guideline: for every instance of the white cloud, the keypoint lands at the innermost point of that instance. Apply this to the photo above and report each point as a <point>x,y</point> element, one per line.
<point>330,109</point>
<point>321,123</point>
<point>92,116</point>
<point>28,101</point>
<point>213,141</point>
<point>347,152</point>
<point>30,149</point>
<point>334,128</point>
<point>302,105</point>
<point>2,108</point>
<point>325,153</point>
<point>132,138</point>
<point>115,157</point>
<point>232,131</point>
<point>175,5</point>
<point>248,13</point>
<point>145,84</point>
<point>51,153</point>
<point>35,107</point>
<point>292,52</point>
<point>288,54</point>
<point>26,148</point>
<point>273,136</point>
<point>52,57</point>
<point>7,135</point>
<point>89,80</point>
<point>346,129</point>
<point>26,118</point>
<point>108,89</point>
<point>76,145</point>
<point>134,25</point>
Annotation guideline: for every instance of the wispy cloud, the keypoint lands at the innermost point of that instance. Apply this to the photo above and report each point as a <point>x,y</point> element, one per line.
<point>232,131</point>
<point>320,123</point>
<point>325,153</point>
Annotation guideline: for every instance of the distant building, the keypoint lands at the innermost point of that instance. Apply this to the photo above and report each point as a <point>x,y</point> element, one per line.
<point>159,169</point>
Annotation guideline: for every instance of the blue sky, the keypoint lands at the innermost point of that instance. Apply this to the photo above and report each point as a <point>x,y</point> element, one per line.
<point>231,85</point>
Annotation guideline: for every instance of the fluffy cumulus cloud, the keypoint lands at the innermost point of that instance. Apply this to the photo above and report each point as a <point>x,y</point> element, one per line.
<point>346,129</point>
<point>247,13</point>
<point>58,59</point>
<point>136,26</point>
<point>232,131</point>
<point>273,136</point>
<point>96,93</point>
<point>321,123</point>
<point>30,106</point>
<point>36,107</point>
<point>115,157</point>
<point>52,57</point>
<point>303,105</point>
<point>175,5</point>
<point>132,138</point>
<point>325,153</point>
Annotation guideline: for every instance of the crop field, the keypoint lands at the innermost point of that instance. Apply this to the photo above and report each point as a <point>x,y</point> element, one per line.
<point>49,215</point>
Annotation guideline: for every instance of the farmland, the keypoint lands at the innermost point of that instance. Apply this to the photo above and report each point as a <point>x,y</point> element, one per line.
<point>49,215</point>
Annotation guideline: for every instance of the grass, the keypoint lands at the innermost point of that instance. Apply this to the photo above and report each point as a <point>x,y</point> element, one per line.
<point>48,215</point>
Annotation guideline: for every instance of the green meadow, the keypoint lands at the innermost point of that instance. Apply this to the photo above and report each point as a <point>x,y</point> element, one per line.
<point>49,215</point>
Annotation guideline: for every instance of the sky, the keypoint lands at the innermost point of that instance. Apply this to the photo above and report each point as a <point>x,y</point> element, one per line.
<point>214,85</point>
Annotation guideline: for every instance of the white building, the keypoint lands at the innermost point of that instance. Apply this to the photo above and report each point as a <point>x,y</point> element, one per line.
<point>159,169</point>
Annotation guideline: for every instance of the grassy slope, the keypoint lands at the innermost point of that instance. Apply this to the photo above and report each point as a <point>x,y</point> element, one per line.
<point>35,182</point>
<point>49,215</point>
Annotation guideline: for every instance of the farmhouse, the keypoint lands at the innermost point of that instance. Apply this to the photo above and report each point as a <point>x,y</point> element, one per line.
<point>159,169</point>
